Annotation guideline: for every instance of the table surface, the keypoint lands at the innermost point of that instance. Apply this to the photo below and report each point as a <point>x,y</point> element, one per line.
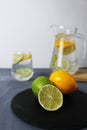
<point>9,87</point>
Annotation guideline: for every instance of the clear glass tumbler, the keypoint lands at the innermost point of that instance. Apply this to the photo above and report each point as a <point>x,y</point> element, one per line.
<point>22,66</point>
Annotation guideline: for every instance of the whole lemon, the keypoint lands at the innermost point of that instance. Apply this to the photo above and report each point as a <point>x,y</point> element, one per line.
<point>64,81</point>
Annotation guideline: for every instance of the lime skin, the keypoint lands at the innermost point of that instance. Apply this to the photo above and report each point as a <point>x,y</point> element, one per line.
<point>38,83</point>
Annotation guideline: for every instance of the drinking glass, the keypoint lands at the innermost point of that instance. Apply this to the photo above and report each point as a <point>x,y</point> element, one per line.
<point>22,66</point>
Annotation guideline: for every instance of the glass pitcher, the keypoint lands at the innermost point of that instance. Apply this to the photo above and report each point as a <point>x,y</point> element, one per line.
<point>64,55</point>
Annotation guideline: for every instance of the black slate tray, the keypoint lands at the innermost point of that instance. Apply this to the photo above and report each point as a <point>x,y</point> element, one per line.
<point>71,116</point>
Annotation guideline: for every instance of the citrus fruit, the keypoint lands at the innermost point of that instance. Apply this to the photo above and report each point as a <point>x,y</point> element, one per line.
<point>55,62</point>
<point>64,81</point>
<point>24,72</point>
<point>26,56</point>
<point>38,83</point>
<point>50,97</point>
<point>68,47</point>
<point>65,65</point>
<point>17,58</point>
<point>20,57</point>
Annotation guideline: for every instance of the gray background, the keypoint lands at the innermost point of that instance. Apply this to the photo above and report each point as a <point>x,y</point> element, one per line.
<point>25,25</point>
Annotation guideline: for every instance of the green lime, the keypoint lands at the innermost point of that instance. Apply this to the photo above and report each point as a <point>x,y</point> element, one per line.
<point>65,65</point>
<point>38,83</point>
<point>17,58</point>
<point>50,97</point>
<point>24,72</point>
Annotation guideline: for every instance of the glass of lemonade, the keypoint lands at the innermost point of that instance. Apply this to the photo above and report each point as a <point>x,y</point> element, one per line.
<point>22,67</point>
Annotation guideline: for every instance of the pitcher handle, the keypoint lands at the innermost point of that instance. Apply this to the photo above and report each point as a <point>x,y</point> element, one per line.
<point>80,36</point>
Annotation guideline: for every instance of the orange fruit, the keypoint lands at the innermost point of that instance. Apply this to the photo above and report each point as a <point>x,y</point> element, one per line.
<point>63,81</point>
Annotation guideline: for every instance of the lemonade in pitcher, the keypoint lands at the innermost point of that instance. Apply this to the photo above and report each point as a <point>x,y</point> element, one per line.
<point>64,55</point>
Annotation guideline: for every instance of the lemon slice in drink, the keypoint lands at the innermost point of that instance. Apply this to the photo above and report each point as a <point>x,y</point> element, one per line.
<point>24,72</point>
<point>50,97</point>
<point>17,58</point>
<point>26,56</point>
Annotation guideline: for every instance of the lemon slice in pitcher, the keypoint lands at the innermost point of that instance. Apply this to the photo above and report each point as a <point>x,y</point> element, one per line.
<point>50,97</point>
<point>24,72</point>
<point>68,46</point>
